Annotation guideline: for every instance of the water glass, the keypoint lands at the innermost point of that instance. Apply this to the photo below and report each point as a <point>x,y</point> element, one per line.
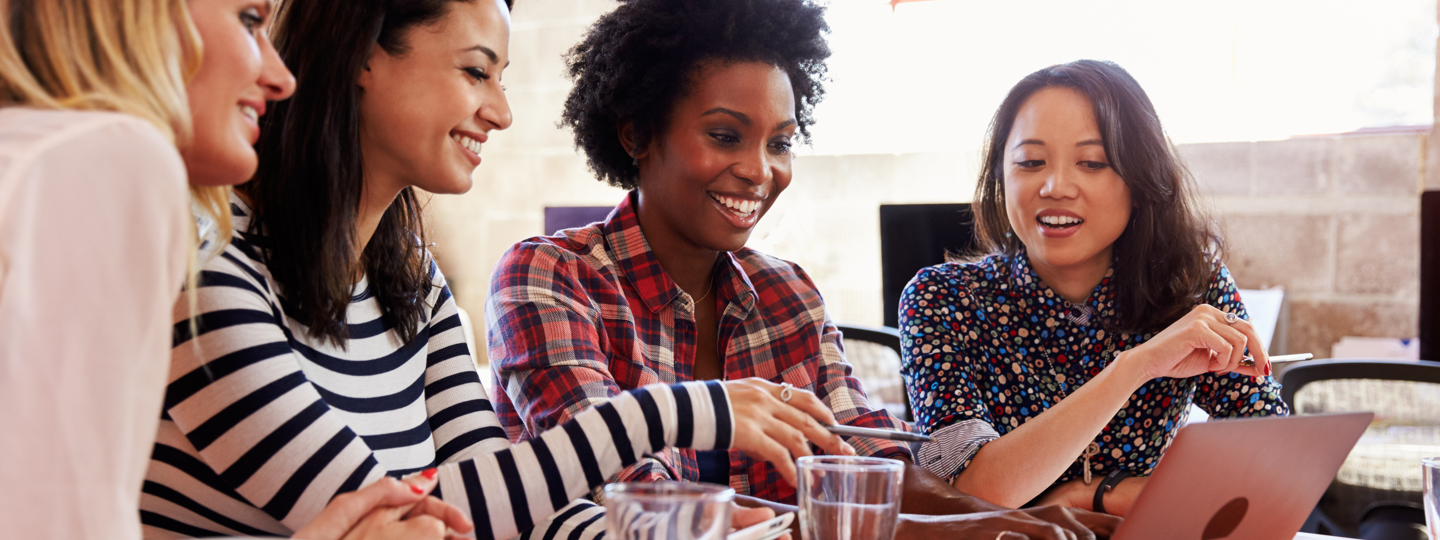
<point>667,511</point>
<point>1432,496</point>
<point>846,498</point>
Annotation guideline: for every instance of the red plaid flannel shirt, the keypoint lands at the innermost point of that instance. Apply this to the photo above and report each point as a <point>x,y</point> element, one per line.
<point>577,318</point>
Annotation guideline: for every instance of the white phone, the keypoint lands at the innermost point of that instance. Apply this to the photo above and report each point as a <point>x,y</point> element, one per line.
<point>765,530</point>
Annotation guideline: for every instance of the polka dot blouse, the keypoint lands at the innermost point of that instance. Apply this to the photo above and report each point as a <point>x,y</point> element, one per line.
<point>987,347</point>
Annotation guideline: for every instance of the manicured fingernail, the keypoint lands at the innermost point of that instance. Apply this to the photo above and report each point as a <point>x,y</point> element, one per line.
<point>417,490</point>
<point>430,473</point>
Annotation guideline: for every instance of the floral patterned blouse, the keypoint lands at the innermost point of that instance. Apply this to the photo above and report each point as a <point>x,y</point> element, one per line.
<point>987,347</point>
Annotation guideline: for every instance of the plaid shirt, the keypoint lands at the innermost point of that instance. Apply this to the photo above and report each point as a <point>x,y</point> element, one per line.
<point>577,318</point>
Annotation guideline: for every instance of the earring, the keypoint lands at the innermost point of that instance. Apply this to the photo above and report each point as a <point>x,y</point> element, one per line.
<point>1008,234</point>
<point>635,161</point>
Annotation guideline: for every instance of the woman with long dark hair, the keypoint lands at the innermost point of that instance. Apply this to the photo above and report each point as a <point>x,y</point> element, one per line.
<point>1062,360</point>
<point>328,352</point>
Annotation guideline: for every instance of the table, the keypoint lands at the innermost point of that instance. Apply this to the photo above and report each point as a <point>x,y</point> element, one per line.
<point>1308,536</point>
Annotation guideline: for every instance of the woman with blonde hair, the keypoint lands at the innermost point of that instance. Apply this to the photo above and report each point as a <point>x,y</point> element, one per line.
<point>95,98</point>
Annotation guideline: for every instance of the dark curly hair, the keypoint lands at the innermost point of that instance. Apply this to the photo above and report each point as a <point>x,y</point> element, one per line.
<point>638,60</point>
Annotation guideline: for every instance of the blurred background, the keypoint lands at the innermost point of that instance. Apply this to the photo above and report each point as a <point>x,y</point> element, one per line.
<point>1308,126</point>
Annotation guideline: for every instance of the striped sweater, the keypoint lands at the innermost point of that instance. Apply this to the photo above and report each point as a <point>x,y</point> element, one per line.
<point>262,425</point>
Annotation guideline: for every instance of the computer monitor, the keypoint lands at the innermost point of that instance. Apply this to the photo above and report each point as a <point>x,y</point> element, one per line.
<point>914,236</point>
<point>1430,275</point>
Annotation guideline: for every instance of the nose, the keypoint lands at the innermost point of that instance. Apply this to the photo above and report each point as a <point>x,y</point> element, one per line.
<point>496,112</point>
<point>754,167</point>
<point>275,79</point>
<point>1059,184</point>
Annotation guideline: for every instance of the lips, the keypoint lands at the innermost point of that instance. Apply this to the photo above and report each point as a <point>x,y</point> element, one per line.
<point>469,145</point>
<point>743,213</point>
<point>1057,223</point>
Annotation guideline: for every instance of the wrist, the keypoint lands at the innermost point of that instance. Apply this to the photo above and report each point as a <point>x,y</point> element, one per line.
<point>1128,368</point>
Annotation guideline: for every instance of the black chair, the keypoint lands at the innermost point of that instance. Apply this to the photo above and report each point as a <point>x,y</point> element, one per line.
<point>1365,511</point>
<point>874,352</point>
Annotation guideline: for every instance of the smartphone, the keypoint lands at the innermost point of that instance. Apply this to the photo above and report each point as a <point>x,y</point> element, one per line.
<point>765,530</point>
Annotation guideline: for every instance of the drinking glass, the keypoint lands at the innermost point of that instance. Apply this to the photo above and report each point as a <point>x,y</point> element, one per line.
<point>1432,496</point>
<point>847,498</point>
<point>667,511</point>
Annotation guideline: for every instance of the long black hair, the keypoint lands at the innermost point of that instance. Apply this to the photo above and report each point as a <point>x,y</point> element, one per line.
<point>1167,256</point>
<point>306,192</point>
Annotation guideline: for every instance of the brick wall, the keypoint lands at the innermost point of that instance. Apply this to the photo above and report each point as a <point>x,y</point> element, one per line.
<point>1334,219</point>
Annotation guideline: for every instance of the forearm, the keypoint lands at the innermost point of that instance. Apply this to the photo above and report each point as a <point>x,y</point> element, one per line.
<point>1015,468</point>
<point>929,495</point>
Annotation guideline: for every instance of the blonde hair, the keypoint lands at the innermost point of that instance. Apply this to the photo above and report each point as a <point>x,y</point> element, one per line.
<point>126,56</point>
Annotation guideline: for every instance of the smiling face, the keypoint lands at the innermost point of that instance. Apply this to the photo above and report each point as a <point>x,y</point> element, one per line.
<point>724,157</point>
<point>1063,198</point>
<point>425,111</point>
<point>238,73</point>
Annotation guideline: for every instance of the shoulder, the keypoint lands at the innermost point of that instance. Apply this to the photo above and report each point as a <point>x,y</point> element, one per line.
<point>961,278</point>
<point>133,152</point>
<point>553,255</point>
<point>768,273</point>
<point>64,134</point>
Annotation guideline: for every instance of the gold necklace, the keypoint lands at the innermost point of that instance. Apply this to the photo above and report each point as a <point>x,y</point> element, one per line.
<point>708,290</point>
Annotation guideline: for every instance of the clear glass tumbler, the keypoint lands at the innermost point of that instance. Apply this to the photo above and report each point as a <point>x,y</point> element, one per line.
<point>1432,495</point>
<point>849,498</point>
<point>667,511</point>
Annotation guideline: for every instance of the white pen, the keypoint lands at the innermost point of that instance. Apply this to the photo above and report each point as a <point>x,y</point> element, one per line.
<point>851,431</point>
<point>1250,361</point>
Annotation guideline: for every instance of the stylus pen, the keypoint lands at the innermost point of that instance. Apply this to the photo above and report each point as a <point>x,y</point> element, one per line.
<point>1250,361</point>
<point>878,433</point>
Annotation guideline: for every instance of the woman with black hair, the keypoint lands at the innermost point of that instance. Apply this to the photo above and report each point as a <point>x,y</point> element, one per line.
<point>1100,310</point>
<point>327,352</point>
<point>692,106</point>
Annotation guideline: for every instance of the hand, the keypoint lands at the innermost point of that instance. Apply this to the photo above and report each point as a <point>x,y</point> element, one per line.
<point>772,430</point>
<point>386,509</point>
<point>999,525</point>
<point>742,517</point>
<point>1202,341</point>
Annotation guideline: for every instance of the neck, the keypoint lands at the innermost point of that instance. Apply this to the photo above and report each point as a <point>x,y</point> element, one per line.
<point>1073,282</point>
<point>374,201</point>
<point>691,266</point>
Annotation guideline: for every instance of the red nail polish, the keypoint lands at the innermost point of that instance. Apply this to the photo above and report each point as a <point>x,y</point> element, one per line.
<point>417,490</point>
<point>430,473</point>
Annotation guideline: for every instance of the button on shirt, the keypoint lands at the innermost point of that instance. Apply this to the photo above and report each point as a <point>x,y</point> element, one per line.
<point>987,347</point>
<point>579,317</point>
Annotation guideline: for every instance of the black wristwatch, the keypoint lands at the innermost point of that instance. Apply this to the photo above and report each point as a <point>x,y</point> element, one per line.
<point>1111,480</point>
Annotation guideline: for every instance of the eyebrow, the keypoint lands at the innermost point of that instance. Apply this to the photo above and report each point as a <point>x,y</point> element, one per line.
<point>743,118</point>
<point>1038,142</point>
<point>488,52</point>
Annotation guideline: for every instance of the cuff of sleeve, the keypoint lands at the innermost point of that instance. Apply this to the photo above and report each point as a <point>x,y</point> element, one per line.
<point>880,447</point>
<point>953,446</point>
<point>704,417</point>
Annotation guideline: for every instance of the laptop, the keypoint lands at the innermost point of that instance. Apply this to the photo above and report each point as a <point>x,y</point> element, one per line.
<point>1245,479</point>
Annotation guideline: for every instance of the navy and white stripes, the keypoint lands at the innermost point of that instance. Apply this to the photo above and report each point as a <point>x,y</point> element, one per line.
<point>263,425</point>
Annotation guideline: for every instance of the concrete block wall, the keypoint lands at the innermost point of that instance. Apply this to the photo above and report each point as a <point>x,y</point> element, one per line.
<point>1334,219</point>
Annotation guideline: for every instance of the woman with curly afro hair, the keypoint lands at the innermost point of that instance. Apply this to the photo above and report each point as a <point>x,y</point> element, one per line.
<point>692,107</point>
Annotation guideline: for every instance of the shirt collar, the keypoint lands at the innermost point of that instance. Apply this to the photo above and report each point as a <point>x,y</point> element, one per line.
<point>1100,304</point>
<point>642,269</point>
<point>635,260</point>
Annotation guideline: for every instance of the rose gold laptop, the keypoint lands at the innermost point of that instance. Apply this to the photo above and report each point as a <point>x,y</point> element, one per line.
<point>1250,479</point>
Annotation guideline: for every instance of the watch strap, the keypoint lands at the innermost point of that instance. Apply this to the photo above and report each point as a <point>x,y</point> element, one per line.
<point>1111,480</point>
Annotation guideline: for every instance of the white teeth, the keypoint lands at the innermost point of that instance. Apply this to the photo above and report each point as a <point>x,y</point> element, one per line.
<point>1060,220</point>
<point>740,206</point>
<point>469,144</point>
<point>250,113</point>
